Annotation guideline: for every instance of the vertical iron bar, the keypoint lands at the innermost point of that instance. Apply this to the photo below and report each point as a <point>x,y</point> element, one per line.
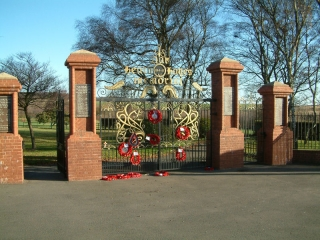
<point>159,147</point>
<point>318,129</point>
<point>100,118</point>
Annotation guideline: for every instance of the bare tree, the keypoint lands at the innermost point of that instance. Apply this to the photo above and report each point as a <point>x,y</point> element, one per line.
<point>275,46</point>
<point>38,82</point>
<point>201,43</point>
<point>250,44</point>
<point>129,33</point>
<point>312,74</point>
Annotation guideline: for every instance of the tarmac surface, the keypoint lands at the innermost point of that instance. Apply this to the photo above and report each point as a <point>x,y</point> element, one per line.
<point>255,202</point>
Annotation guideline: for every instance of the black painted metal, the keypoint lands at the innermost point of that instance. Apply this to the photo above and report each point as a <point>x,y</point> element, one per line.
<point>60,136</point>
<point>158,157</point>
<point>306,130</point>
<point>250,117</point>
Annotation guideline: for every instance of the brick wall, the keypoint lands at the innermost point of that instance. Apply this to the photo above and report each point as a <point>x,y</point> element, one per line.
<point>225,146</point>
<point>84,157</point>
<point>11,158</point>
<point>11,154</point>
<point>277,141</point>
<point>231,149</point>
<point>306,156</point>
<point>83,144</point>
<point>277,146</point>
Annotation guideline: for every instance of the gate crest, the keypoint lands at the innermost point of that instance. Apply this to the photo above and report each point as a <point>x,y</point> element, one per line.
<point>124,117</point>
<point>157,79</point>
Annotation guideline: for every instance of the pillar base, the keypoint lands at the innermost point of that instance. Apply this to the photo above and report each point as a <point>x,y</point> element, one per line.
<point>227,149</point>
<point>11,158</point>
<point>278,146</point>
<point>84,157</point>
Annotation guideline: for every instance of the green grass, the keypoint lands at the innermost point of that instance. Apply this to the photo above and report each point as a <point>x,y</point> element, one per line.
<point>301,144</point>
<point>46,153</point>
<point>46,146</point>
<point>308,145</point>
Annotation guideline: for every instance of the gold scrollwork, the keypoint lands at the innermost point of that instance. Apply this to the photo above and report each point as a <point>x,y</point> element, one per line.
<point>170,89</point>
<point>108,106</point>
<point>129,120</point>
<point>188,116</point>
<point>151,88</point>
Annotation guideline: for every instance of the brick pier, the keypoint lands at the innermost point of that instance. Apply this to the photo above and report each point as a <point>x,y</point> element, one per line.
<point>83,144</point>
<point>225,144</point>
<point>11,153</point>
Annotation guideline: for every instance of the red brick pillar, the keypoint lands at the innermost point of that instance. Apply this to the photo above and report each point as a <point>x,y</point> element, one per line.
<point>11,154</point>
<point>226,146</point>
<point>277,142</point>
<point>83,144</point>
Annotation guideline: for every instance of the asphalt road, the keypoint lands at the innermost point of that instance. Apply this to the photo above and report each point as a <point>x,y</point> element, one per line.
<point>256,202</point>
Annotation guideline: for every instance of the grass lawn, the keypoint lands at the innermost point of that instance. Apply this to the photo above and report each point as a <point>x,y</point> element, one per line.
<point>46,152</point>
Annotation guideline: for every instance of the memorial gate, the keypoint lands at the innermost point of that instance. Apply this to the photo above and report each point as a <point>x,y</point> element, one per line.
<point>152,129</point>
<point>116,129</point>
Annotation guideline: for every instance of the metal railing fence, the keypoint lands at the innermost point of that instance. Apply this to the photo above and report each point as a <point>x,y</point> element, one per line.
<point>306,131</point>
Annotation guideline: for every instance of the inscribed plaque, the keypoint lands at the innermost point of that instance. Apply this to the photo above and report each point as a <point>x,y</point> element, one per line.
<point>228,101</point>
<point>83,100</point>
<point>279,111</point>
<point>6,114</point>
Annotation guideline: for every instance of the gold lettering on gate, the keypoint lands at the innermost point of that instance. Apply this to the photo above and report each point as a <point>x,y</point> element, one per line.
<point>159,71</point>
<point>159,74</point>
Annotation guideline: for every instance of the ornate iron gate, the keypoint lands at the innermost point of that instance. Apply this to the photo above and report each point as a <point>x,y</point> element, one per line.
<point>121,118</point>
<point>251,125</point>
<point>60,136</point>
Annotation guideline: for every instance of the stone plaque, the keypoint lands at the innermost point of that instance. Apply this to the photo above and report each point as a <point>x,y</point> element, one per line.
<point>83,100</point>
<point>6,114</point>
<point>228,101</point>
<point>279,111</point>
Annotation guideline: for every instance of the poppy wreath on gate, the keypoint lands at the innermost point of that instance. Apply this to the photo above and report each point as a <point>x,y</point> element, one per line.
<point>182,132</point>
<point>154,116</point>
<point>135,158</point>
<point>154,139</point>
<point>181,154</point>
<point>125,150</point>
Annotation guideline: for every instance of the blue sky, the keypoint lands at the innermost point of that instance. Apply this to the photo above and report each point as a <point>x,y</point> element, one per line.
<point>46,28</point>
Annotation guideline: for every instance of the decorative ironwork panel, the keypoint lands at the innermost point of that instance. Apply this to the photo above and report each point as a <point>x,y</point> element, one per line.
<point>120,119</point>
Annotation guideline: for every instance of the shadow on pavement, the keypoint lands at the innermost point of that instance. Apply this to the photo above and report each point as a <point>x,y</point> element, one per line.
<point>51,173</point>
<point>44,173</point>
<point>257,169</point>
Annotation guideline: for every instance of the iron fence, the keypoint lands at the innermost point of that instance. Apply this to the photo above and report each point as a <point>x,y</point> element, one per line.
<point>60,136</point>
<point>306,130</point>
<point>250,122</point>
